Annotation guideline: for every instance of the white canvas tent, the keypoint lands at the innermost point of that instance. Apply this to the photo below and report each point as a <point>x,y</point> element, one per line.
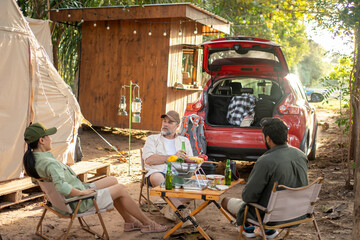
<point>41,30</point>
<point>31,91</point>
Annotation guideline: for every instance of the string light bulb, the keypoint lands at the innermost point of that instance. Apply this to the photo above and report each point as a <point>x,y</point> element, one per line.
<point>195,30</point>
<point>164,32</point>
<point>82,20</point>
<point>134,30</point>
<point>69,15</point>
<point>180,32</point>
<point>244,21</point>
<point>57,10</point>
<point>150,30</point>
<point>94,24</point>
<point>107,26</point>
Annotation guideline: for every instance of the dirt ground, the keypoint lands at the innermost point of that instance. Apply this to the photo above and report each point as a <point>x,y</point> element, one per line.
<point>334,209</point>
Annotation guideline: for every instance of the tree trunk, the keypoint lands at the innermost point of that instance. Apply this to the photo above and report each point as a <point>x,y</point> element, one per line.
<point>356,106</point>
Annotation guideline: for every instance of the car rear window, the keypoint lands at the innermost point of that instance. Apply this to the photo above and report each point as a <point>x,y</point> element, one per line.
<point>226,56</point>
<point>258,85</point>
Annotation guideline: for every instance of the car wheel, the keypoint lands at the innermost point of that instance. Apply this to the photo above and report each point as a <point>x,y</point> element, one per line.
<point>312,153</point>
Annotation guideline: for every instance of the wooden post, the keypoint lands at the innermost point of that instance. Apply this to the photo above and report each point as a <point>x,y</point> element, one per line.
<point>48,4</point>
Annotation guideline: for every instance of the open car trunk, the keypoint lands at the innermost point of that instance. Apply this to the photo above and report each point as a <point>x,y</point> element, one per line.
<point>242,102</point>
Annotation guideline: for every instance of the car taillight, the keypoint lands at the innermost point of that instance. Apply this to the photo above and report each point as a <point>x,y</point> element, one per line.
<point>289,106</point>
<point>196,106</point>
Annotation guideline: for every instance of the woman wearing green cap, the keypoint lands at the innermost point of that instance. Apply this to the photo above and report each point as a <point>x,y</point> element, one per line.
<point>40,163</point>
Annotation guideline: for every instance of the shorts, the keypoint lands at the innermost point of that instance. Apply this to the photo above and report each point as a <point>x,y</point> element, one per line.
<point>234,205</point>
<point>103,199</point>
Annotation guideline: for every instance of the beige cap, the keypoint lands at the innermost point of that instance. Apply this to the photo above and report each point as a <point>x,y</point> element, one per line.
<point>173,115</point>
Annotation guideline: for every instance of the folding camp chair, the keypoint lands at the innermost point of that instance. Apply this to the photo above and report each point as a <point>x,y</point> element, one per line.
<point>55,201</point>
<point>287,207</point>
<point>144,183</point>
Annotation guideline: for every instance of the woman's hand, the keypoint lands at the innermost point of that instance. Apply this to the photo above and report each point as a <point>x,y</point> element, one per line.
<point>76,192</point>
<point>87,191</point>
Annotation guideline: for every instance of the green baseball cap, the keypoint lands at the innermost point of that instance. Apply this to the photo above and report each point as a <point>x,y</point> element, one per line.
<point>36,131</point>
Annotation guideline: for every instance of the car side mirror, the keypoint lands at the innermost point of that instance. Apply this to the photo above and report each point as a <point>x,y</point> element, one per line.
<point>316,97</point>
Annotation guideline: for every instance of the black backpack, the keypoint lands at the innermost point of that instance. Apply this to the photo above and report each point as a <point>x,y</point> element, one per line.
<point>264,108</point>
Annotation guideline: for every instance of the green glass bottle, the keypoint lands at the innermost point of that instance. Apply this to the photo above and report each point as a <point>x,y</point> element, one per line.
<point>168,177</point>
<point>227,173</point>
<point>183,147</point>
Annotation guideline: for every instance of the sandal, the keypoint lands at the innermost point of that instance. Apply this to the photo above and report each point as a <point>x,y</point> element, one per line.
<point>132,226</point>
<point>153,228</point>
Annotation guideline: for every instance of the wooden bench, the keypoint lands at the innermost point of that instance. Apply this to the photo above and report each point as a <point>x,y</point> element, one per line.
<point>21,190</point>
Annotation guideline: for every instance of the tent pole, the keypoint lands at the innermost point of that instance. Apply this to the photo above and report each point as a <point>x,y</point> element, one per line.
<point>130,105</point>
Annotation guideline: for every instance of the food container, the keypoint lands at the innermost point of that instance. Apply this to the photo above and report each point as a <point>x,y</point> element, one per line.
<point>184,170</point>
<point>195,184</point>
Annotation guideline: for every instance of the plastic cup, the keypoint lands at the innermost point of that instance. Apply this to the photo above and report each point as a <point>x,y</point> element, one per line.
<point>217,181</point>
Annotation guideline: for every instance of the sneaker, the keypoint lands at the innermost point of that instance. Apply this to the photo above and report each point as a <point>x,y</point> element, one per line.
<point>249,231</point>
<point>270,233</point>
<point>168,213</point>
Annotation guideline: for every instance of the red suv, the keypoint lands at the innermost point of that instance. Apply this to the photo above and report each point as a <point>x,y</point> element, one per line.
<point>250,80</point>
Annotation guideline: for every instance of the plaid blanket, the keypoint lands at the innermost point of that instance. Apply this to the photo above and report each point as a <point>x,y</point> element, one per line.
<point>240,107</point>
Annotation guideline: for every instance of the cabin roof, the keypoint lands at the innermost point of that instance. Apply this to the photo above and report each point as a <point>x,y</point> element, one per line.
<point>148,12</point>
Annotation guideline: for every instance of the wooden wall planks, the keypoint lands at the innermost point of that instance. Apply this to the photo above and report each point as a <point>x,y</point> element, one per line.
<point>110,59</point>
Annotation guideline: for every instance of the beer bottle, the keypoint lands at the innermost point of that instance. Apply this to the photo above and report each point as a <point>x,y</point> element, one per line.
<point>168,177</point>
<point>183,149</point>
<point>227,173</point>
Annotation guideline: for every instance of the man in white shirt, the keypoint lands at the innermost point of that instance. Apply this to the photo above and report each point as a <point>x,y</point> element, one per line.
<point>159,147</point>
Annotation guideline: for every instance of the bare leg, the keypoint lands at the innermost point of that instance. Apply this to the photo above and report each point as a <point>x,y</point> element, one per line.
<point>127,208</point>
<point>106,182</point>
<point>156,179</point>
<point>236,205</point>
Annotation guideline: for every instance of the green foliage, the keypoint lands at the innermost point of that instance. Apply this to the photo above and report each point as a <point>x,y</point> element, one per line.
<point>337,82</point>
<point>281,22</point>
<point>312,67</point>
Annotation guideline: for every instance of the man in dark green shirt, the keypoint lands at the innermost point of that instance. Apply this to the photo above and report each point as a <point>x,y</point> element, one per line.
<point>281,163</point>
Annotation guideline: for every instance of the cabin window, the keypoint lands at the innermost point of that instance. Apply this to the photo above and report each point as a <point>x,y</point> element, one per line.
<point>191,59</point>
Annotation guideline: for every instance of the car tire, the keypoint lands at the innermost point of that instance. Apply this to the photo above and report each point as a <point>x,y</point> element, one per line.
<point>312,154</point>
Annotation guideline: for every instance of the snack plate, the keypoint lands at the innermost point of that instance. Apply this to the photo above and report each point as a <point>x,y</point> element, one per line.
<point>213,176</point>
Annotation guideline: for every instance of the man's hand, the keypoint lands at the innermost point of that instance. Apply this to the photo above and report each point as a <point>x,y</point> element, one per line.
<point>181,154</point>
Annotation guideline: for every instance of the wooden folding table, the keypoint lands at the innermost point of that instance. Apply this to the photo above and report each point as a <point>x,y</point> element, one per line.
<point>208,195</point>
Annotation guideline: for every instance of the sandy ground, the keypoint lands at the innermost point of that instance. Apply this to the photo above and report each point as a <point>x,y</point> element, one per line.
<point>334,209</point>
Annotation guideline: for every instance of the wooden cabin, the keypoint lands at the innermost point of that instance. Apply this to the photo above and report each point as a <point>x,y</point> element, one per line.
<point>153,46</point>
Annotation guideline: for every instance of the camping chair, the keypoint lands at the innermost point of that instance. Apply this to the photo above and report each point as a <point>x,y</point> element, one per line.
<point>286,205</point>
<point>144,183</point>
<point>54,200</point>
